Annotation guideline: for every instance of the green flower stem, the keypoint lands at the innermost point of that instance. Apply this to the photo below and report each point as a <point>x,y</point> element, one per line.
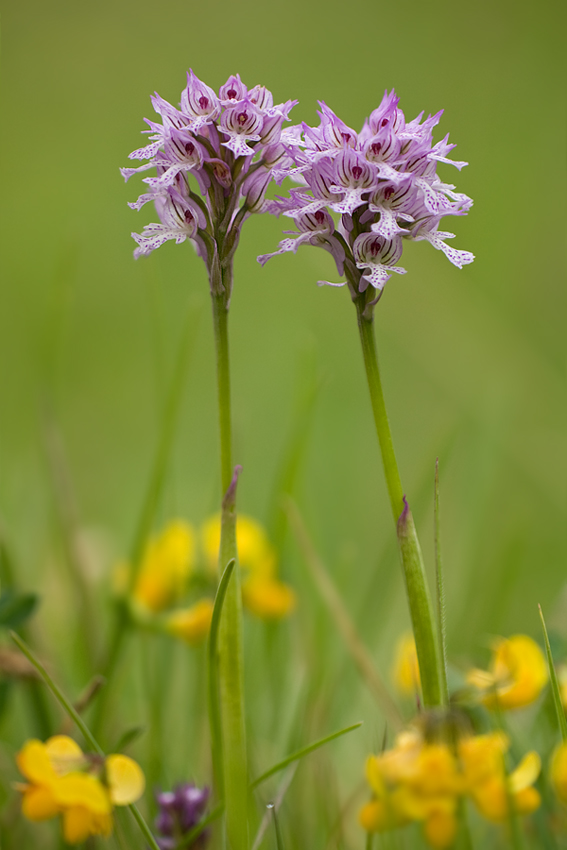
<point>80,723</point>
<point>421,609</point>
<point>231,658</point>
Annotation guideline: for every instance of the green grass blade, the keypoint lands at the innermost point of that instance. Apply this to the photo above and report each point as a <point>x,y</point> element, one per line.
<point>213,680</point>
<point>67,706</point>
<point>279,839</point>
<point>561,719</point>
<point>299,754</point>
<point>440,587</point>
<point>278,800</point>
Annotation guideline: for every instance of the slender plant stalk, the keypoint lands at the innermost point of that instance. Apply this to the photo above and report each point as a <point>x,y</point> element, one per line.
<point>81,725</point>
<point>231,656</point>
<point>421,609</point>
<point>439,580</point>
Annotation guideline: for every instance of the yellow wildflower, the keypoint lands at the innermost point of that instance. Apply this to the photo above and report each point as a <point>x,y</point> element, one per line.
<point>422,779</point>
<point>414,781</point>
<point>268,598</point>
<point>191,624</point>
<point>166,566</point>
<point>62,780</point>
<point>559,772</point>
<point>256,554</point>
<point>517,674</point>
<point>486,781</point>
<point>405,672</point>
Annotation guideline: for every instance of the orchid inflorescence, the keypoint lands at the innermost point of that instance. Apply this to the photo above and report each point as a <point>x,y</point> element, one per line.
<point>230,144</point>
<point>382,182</point>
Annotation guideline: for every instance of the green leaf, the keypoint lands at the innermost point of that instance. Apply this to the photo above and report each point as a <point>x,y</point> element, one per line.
<point>299,754</point>
<point>15,608</point>
<point>561,719</point>
<point>213,670</point>
<point>128,737</point>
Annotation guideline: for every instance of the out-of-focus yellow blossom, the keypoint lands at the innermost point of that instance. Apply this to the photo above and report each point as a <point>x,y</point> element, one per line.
<point>166,566</point>
<point>268,598</point>
<point>517,675</point>
<point>482,758</point>
<point>191,624</point>
<point>263,594</point>
<point>562,680</point>
<point>405,671</point>
<point>62,780</point>
<point>422,780</point>
<point>256,554</point>
<point>559,772</point>
<point>414,781</point>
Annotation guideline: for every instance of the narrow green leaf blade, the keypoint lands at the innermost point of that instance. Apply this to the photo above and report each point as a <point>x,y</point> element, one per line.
<point>299,754</point>
<point>213,679</point>
<point>561,719</point>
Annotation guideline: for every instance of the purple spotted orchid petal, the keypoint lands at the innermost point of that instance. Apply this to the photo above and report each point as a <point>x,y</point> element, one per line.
<point>316,229</point>
<point>354,177</point>
<point>437,239</point>
<point>374,252</point>
<point>241,123</point>
<point>199,102</point>
<point>439,153</point>
<point>387,115</point>
<point>178,220</point>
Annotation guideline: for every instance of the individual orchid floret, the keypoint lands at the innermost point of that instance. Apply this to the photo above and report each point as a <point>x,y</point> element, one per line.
<point>380,186</point>
<point>179,219</point>
<point>373,252</point>
<point>353,178</point>
<point>232,91</point>
<point>241,123</point>
<point>199,102</point>
<point>316,229</point>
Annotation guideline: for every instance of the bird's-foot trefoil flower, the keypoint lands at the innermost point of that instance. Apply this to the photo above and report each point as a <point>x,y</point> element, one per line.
<point>517,674</point>
<point>82,788</point>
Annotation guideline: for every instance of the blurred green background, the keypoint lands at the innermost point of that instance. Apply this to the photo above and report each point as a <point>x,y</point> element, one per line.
<point>473,361</point>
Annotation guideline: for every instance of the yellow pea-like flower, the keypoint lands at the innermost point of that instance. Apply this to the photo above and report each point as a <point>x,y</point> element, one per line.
<point>405,671</point>
<point>166,567</point>
<point>559,772</point>
<point>268,598</point>
<point>517,674</point>
<point>191,624</point>
<point>256,554</point>
<point>63,780</point>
